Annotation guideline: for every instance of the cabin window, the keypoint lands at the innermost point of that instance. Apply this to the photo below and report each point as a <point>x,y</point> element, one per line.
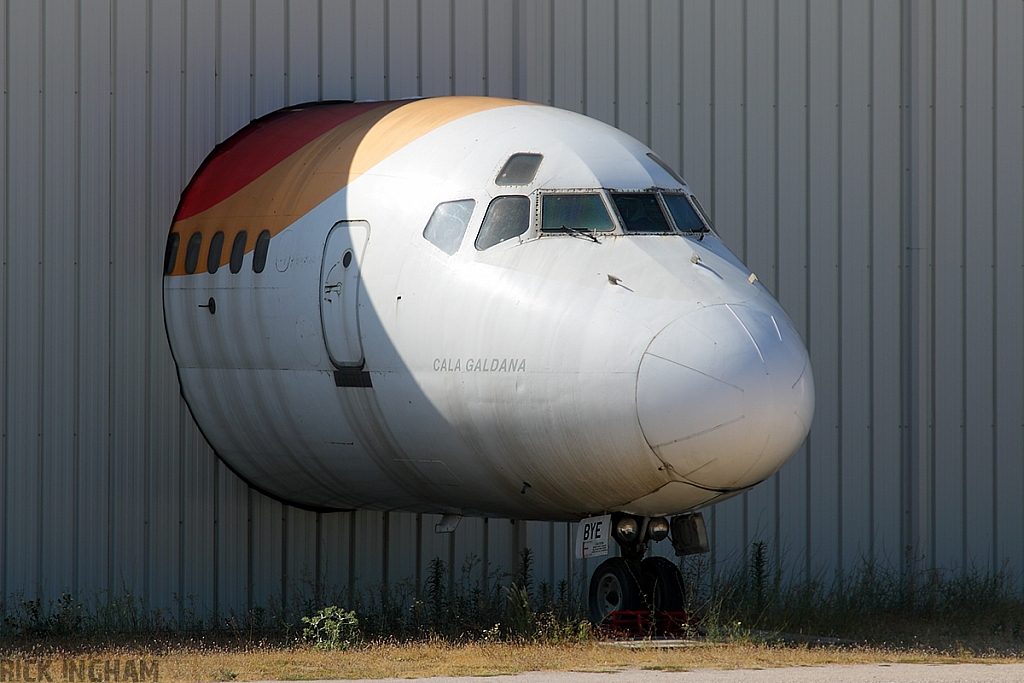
<point>683,213</point>
<point>237,251</point>
<point>259,254</point>
<point>171,253</point>
<point>506,217</point>
<point>192,252</point>
<point>574,212</point>
<point>213,257</point>
<point>447,225</point>
<point>640,212</point>
<point>520,169</point>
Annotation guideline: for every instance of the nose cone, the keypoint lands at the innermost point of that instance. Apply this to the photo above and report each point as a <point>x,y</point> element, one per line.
<point>725,394</point>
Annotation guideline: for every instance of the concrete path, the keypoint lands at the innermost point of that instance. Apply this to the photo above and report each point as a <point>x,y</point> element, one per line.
<point>859,673</point>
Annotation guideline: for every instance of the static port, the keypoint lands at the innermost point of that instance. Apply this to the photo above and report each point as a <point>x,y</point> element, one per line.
<point>627,529</point>
<point>657,529</point>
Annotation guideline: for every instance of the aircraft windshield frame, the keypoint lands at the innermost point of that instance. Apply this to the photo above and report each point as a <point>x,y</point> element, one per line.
<point>575,216</point>
<point>638,215</point>
<point>691,202</point>
<point>548,225</point>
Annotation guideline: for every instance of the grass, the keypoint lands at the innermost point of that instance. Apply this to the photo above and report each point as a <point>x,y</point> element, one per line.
<point>209,662</point>
<point>885,607</point>
<point>750,617</point>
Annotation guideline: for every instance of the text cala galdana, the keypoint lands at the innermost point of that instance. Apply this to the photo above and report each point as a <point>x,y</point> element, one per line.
<point>479,365</point>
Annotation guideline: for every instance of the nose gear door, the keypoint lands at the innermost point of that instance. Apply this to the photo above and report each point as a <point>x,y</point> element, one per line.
<point>339,292</point>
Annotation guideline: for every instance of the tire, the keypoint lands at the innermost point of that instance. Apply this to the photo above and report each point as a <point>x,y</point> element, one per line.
<point>662,584</point>
<point>614,586</point>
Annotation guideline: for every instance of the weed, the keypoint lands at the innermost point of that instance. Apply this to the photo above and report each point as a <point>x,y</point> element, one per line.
<point>907,606</point>
<point>332,628</point>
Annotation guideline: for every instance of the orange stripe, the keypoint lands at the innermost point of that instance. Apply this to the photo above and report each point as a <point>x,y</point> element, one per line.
<point>321,168</point>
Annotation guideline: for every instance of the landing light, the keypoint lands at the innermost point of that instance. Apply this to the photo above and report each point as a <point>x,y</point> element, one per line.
<point>627,529</point>
<point>657,529</point>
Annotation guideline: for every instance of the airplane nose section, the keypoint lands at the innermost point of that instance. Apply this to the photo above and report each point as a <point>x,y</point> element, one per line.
<point>725,395</point>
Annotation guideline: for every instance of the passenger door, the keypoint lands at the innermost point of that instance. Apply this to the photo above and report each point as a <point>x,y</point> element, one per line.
<point>339,292</point>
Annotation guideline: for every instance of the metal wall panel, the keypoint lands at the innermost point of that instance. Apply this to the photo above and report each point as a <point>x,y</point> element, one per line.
<point>131,275</point>
<point>231,545</point>
<point>886,426</point>
<point>165,141</point>
<point>59,257</point>
<point>23,218</point>
<point>759,509</point>
<point>469,52</point>
<point>697,141</point>
<point>632,69</point>
<point>793,522</point>
<point>919,226</point>
<point>300,550</point>
<point>948,474</point>
<point>4,279</point>
<point>403,48</point>
<point>569,54</point>
<point>979,286</point>
<point>1008,330</point>
<point>502,48</point>
<point>338,48</point>
<point>826,492</point>
<point>727,205</point>
<point>92,300</point>
<point>536,37</point>
<point>864,158</point>
<point>602,87</point>
<point>854,226</point>
<point>303,17</point>
<point>197,587</point>
<point>436,47</point>
<point>333,567</point>
<point>370,57</point>
<point>269,46</point>
<point>666,81</point>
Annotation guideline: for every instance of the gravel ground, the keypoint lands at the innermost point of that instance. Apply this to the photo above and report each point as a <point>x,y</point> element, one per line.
<point>860,673</point>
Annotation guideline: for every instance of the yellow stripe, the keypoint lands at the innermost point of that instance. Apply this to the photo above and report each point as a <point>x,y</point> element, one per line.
<point>320,169</point>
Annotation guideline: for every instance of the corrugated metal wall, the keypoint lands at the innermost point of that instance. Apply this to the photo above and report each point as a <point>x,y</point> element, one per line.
<point>865,158</point>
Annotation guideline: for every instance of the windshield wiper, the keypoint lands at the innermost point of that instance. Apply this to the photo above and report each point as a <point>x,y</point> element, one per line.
<point>579,233</point>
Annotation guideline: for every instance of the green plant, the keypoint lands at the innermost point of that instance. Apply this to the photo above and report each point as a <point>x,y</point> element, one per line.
<point>332,628</point>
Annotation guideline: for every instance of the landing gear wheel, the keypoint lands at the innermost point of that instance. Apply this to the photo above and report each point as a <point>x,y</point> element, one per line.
<point>662,584</point>
<point>615,586</point>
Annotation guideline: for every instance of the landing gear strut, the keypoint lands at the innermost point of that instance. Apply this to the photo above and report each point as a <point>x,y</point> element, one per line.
<point>634,583</point>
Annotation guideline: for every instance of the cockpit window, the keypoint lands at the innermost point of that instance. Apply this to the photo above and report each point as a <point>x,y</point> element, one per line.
<point>574,212</point>
<point>448,224</point>
<point>520,169</point>
<point>640,212</point>
<point>683,213</point>
<point>506,217</point>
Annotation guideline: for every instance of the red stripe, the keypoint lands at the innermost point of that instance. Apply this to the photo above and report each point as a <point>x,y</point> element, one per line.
<point>259,147</point>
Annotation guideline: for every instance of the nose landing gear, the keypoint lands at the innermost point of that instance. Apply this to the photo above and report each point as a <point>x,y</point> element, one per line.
<point>643,591</point>
<point>615,587</point>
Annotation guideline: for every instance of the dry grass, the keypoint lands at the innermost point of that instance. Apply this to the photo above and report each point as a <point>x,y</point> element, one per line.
<point>923,616</point>
<point>185,663</point>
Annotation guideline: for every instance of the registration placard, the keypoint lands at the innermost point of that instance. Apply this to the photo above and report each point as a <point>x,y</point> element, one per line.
<point>592,537</point>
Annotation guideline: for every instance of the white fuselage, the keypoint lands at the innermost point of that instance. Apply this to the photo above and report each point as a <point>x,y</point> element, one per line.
<point>549,376</point>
